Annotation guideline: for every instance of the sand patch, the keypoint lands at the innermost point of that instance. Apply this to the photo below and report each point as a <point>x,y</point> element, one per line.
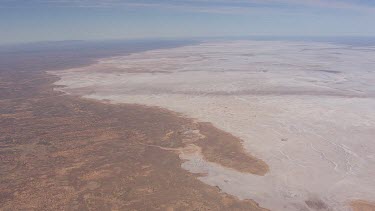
<point>359,205</point>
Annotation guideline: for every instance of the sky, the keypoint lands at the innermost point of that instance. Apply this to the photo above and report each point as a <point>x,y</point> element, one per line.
<point>47,20</point>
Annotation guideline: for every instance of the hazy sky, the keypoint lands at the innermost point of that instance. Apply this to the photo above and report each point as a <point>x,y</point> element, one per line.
<point>36,20</point>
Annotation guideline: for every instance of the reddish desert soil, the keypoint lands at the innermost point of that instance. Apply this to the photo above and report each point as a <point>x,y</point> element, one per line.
<point>60,152</point>
<point>226,149</point>
<point>360,205</point>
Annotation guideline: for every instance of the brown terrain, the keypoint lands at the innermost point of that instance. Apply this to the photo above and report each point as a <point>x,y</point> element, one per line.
<point>60,152</point>
<point>225,149</point>
<point>360,205</point>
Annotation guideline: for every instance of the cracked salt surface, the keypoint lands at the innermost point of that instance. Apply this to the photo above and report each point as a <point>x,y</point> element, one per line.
<point>306,109</point>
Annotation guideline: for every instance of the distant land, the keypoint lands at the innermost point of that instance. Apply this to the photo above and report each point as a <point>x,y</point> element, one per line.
<point>244,123</point>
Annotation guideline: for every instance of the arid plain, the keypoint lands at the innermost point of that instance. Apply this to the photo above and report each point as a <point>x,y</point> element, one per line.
<point>304,112</point>
<point>61,152</point>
